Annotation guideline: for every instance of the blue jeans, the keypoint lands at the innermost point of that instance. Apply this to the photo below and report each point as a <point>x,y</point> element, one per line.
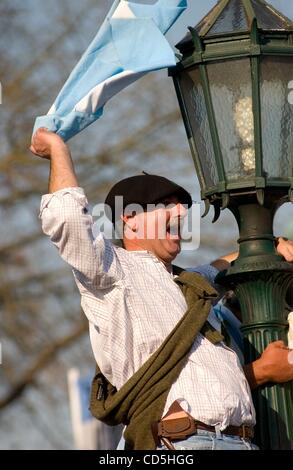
<point>206,440</point>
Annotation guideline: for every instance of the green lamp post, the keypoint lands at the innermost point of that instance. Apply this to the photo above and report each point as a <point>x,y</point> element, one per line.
<point>233,83</point>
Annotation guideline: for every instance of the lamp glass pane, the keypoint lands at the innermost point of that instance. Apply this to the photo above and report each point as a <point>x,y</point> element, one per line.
<point>232,19</point>
<point>231,92</point>
<point>198,118</point>
<point>277,115</point>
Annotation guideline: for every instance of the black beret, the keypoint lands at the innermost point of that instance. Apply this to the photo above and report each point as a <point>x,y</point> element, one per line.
<point>144,189</point>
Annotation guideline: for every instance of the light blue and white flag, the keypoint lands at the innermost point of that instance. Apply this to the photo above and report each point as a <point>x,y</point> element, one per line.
<point>129,43</point>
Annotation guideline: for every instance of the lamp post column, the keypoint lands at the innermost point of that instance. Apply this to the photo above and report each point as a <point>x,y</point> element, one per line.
<point>261,280</point>
<point>232,86</point>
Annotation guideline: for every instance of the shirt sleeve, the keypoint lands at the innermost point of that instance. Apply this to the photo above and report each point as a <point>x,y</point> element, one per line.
<point>66,220</point>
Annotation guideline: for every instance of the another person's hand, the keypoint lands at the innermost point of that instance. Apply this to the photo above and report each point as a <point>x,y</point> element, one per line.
<point>285,248</point>
<point>275,364</point>
<point>43,142</point>
<point>272,366</point>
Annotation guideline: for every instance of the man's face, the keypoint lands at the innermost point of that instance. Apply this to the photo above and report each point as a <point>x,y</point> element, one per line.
<point>157,230</point>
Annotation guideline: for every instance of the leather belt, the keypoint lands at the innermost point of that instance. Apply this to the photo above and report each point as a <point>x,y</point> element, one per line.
<point>181,428</point>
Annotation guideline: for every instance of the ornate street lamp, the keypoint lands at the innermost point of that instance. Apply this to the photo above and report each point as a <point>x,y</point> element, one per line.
<point>233,84</point>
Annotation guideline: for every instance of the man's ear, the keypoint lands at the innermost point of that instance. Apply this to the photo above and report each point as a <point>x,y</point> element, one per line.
<point>130,220</point>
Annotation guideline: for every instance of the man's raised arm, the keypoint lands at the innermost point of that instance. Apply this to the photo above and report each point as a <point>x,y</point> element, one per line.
<point>48,145</point>
<point>66,218</point>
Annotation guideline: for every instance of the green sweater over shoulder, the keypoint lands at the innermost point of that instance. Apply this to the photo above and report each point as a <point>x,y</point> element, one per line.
<point>141,400</point>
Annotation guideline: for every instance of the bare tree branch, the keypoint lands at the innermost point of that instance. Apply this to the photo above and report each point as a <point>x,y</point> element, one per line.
<point>46,356</point>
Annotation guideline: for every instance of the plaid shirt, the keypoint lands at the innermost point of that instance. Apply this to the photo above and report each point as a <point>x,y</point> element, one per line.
<point>132,304</point>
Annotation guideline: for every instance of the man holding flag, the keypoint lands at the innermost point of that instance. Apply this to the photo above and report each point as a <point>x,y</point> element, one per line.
<point>163,368</point>
<point>129,44</point>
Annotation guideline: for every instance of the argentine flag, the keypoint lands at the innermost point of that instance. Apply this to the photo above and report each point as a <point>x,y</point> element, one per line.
<point>129,43</point>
